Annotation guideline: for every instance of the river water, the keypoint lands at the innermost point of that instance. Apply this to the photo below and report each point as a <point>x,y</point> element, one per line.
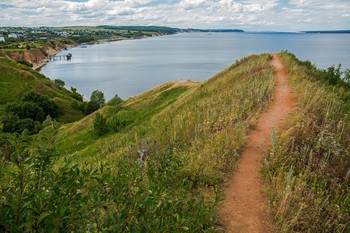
<point>130,67</point>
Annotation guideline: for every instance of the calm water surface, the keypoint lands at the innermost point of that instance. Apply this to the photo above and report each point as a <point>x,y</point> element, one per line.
<point>130,67</point>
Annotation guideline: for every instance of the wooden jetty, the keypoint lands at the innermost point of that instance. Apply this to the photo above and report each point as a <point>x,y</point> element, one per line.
<point>61,57</point>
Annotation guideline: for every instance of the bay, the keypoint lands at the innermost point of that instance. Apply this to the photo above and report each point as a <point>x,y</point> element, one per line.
<point>130,67</point>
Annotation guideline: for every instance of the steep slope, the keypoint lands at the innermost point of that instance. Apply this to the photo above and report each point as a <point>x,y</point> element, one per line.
<point>38,56</point>
<point>191,136</point>
<point>17,79</point>
<point>79,138</point>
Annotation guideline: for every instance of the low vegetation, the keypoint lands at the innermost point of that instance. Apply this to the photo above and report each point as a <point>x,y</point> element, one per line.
<point>308,167</point>
<point>160,170</point>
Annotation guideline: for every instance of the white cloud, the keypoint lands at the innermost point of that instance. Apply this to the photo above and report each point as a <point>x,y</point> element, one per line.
<point>245,14</point>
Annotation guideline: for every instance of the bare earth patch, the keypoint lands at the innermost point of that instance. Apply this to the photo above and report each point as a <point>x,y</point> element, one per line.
<point>244,207</point>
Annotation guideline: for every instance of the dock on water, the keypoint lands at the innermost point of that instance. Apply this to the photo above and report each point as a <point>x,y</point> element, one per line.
<point>61,57</point>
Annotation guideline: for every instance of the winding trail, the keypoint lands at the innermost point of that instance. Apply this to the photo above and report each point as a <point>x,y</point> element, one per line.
<point>244,207</point>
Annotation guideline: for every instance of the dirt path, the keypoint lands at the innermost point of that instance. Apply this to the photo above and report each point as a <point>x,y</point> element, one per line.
<point>243,209</point>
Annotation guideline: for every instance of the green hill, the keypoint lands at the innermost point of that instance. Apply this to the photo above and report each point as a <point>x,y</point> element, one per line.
<point>68,178</point>
<point>17,79</point>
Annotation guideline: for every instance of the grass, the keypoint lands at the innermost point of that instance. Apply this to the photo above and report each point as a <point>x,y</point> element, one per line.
<point>192,135</point>
<point>17,79</point>
<point>307,169</point>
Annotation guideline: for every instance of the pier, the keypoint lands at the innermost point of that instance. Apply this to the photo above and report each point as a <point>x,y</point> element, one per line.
<point>61,57</point>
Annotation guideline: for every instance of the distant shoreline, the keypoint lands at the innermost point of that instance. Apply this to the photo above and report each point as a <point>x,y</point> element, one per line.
<point>38,66</point>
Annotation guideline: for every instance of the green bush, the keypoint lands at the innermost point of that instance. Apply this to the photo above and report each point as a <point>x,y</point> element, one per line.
<point>100,124</point>
<point>75,94</point>
<point>29,114</point>
<point>59,82</point>
<point>24,62</point>
<point>99,198</point>
<point>49,107</point>
<point>26,110</point>
<point>117,124</point>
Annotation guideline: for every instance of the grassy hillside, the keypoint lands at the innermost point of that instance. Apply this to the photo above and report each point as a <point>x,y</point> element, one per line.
<point>17,79</point>
<point>79,138</point>
<point>68,178</point>
<point>192,134</point>
<point>308,167</point>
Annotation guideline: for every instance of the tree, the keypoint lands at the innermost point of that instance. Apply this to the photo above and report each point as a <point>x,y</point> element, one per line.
<point>347,76</point>
<point>73,89</point>
<point>91,107</point>
<point>115,100</point>
<point>100,124</point>
<point>59,82</point>
<point>98,97</point>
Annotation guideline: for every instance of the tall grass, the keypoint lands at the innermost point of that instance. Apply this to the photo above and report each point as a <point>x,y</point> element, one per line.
<point>308,167</point>
<point>191,138</point>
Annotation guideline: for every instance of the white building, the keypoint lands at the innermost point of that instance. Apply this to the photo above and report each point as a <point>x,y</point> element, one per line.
<point>2,38</point>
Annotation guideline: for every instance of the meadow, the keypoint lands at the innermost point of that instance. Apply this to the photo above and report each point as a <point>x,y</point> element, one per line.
<point>192,135</point>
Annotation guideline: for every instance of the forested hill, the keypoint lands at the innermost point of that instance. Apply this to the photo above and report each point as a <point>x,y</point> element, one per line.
<point>166,30</point>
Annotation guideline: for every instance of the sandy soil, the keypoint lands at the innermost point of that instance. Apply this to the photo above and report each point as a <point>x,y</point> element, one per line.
<point>244,207</point>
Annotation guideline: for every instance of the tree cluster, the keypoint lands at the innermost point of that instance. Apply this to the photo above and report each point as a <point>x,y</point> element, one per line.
<point>29,113</point>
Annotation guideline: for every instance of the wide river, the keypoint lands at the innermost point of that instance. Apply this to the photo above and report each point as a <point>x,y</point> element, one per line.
<point>130,67</point>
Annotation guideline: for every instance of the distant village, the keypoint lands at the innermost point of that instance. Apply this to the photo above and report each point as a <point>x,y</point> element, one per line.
<point>33,34</point>
<point>16,37</point>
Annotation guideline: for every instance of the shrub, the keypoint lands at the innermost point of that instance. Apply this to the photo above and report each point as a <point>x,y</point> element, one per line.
<point>13,124</point>
<point>117,124</point>
<point>100,124</point>
<point>49,107</point>
<point>26,110</point>
<point>59,82</point>
<point>24,62</point>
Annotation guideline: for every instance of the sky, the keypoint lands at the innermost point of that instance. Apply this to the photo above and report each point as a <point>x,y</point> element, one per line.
<point>249,15</point>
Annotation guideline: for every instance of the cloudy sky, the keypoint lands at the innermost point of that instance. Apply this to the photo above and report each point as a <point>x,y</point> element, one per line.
<point>250,15</point>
